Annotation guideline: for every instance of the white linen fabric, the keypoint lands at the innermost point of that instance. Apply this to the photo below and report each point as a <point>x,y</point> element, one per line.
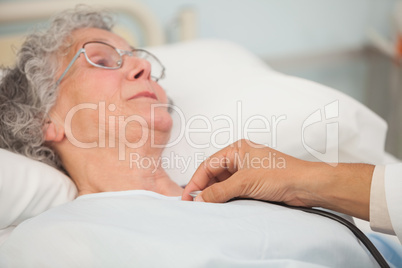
<point>145,229</point>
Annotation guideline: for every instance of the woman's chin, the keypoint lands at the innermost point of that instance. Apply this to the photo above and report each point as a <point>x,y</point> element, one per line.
<point>162,122</point>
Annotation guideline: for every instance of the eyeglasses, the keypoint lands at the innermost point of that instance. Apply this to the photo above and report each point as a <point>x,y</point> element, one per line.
<point>105,56</point>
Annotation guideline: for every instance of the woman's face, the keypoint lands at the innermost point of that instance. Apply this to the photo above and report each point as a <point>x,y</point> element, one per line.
<point>97,103</point>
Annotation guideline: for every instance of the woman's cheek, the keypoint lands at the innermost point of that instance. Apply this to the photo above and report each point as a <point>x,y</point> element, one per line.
<point>160,92</point>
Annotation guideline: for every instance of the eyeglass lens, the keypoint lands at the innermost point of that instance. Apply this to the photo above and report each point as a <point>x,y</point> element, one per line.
<point>102,55</point>
<point>105,56</point>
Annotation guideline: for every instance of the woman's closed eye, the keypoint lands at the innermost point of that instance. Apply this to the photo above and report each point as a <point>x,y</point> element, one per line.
<point>103,61</point>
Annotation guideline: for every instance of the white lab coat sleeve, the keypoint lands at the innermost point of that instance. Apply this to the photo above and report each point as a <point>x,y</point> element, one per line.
<point>393,193</point>
<point>380,220</point>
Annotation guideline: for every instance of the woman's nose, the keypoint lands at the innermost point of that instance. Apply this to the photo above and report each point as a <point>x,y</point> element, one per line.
<point>139,69</point>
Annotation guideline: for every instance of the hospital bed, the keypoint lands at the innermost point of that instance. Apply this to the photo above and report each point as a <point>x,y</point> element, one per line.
<point>222,92</point>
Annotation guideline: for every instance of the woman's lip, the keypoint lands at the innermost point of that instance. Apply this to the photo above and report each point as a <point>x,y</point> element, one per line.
<point>145,94</point>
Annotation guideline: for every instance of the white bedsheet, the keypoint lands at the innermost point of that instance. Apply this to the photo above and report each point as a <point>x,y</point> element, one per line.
<point>145,229</point>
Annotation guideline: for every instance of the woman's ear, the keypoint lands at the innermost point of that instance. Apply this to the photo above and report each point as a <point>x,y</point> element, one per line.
<point>53,132</point>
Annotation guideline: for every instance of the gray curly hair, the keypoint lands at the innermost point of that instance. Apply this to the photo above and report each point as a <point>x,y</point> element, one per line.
<point>28,90</point>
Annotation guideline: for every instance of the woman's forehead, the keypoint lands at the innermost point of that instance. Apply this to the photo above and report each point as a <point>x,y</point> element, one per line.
<point>83,35</point>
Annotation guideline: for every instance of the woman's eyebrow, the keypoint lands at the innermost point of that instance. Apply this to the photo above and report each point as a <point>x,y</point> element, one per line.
<point>103,40</point>
<point>98,40</point>
<point>107,41</point>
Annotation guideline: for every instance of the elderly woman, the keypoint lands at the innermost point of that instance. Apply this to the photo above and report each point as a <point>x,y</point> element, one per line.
<point>82,100</point>
<point>79,61</point>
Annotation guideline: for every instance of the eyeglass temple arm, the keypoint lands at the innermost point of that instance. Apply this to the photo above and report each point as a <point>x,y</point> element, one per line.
<point>69,65</point>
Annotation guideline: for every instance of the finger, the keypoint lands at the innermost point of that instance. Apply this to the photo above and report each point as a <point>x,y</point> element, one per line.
<point>223,176</point>
<point>223,191</point>
<point>186,193</point>
<point>206,172</point>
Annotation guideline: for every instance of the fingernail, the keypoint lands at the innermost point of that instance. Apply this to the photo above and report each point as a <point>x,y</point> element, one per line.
<point>198,198</point>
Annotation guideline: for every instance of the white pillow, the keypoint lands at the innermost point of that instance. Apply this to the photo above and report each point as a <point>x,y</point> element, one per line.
<point>214,77</point>
<point>28,188</point>
<point>209,77</point>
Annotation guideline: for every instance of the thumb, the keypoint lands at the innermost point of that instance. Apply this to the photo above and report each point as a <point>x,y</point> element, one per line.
<point>220,192</point>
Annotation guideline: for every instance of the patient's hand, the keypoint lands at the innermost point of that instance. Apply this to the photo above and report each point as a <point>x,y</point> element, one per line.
<point>248,170</point>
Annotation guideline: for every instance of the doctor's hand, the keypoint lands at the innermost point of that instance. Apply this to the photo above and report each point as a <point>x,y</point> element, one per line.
<point>248,170</point>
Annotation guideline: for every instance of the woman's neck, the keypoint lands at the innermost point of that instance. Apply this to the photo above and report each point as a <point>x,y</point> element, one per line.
<point>100,170</point>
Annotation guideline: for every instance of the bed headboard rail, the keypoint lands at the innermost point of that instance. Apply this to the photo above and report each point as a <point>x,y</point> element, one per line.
<point>11,13</point>
<point>24,11</point>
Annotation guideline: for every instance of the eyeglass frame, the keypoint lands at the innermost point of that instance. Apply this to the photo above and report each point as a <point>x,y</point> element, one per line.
<point>121,53</point>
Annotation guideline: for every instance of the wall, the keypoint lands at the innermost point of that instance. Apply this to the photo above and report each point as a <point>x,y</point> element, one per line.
<point>275,29</point>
